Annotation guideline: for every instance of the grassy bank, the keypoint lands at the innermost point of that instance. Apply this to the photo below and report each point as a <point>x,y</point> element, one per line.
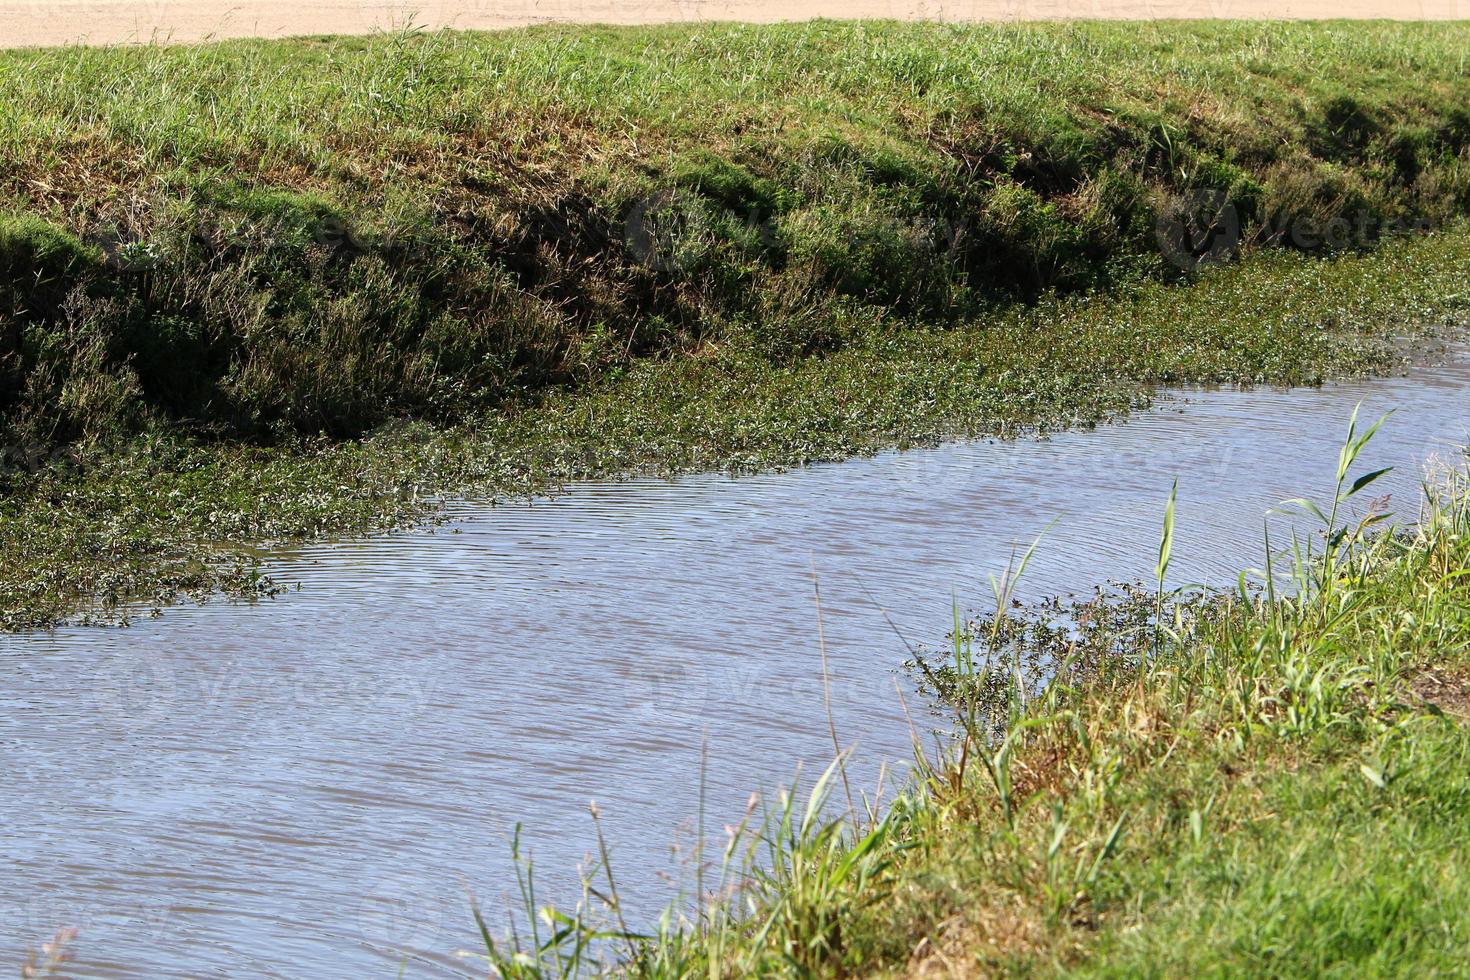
<point>158,519</point>
<point>258,290</point>
<point>253,239</point>
<point>1141,784</point>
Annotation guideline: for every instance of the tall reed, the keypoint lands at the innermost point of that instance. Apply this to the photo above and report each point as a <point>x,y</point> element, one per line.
<point>1059,728</point>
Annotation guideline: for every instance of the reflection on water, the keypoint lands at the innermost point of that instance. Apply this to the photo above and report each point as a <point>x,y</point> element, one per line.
<point>312,788</point>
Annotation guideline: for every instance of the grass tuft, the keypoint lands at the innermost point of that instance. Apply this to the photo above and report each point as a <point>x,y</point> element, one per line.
<point>1224,783</point>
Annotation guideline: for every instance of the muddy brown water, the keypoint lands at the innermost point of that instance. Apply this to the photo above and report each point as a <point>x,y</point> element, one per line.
<point>313,787</point>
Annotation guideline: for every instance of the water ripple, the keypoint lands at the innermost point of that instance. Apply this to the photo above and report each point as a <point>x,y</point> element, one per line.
<point>312,788</point>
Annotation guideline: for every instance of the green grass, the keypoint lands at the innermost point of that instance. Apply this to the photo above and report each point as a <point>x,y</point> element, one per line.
<point>1249,784</point>
<point>258,238</point>
<point>265,289</point>
<point>167,516</point>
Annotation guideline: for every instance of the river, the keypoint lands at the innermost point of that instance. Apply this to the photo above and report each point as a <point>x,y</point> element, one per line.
<point>314,786</point>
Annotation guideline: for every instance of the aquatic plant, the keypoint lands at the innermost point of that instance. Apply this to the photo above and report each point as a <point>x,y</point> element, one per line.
<point>92,535</point>
<point>267,289</point>
<point>1248,782</point>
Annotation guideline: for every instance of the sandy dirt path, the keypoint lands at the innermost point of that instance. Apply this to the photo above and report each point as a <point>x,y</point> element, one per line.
<point>25,23</point>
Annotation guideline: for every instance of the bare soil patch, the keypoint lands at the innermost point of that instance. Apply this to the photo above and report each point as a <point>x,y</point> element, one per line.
<point>1447,690</point>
